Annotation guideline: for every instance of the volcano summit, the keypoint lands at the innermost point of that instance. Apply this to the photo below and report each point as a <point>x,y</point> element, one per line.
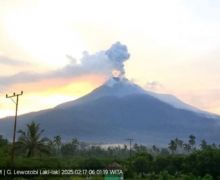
<point>119,109</point>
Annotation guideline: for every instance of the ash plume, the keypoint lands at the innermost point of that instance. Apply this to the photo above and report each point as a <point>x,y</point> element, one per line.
<point>118,54</point>
<point>101,63</point>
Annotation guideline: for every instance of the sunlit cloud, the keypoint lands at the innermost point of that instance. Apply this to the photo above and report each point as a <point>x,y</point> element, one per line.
<point>154,86</point>
<point>9,61</point>
<point>100,63</point>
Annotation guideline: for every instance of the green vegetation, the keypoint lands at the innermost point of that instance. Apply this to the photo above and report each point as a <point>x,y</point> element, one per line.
<point>179,161</point>
<point>30,142</point>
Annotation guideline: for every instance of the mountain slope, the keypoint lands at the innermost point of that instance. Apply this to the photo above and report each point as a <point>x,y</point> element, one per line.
<point>122,87</point>
<point>117,110</point>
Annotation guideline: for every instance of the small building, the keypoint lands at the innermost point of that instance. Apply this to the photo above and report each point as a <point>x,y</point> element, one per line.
<point>114,166</point>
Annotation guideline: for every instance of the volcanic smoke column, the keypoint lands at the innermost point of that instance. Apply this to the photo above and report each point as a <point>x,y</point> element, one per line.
<point>107,63</point>
<point>118,54</point>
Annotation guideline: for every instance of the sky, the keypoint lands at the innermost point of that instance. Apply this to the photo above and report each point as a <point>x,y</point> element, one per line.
<point>53,49</point>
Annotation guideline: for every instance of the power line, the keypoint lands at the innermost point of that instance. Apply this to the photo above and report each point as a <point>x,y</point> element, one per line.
<point>15,122</point>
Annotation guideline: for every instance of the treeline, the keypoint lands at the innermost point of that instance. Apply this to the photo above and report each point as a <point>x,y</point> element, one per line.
<point>180,160</point>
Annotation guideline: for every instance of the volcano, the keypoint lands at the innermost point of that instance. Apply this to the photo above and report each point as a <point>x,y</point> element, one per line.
<point>120,109</point>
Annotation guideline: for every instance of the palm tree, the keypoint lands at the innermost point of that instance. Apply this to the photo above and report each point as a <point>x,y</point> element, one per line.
<point>179,144</point>
<point>31,142</point>
<point>57,142</point>
<point>155,149</point>
<point>172,146</point>
<point>192,141</point>
<point>186,147</point>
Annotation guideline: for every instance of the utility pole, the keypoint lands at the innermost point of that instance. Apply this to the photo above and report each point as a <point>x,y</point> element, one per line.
<point>130,143</point>
<point>15,122</point>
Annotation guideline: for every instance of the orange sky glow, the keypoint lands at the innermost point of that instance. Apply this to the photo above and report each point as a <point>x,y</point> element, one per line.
<point>175,44</point>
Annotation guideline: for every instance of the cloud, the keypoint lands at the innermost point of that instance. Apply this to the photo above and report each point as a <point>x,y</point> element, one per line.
<point>153,85</point>
<point>100,63</point>
<point>9,61</point>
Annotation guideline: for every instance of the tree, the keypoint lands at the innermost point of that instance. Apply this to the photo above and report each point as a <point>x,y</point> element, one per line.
<point>75,144</point>
<point>155,149</point>
<point>214,146</point>
<point>3,142</point>
<point>4,150</point>
<point>70,149</point>
<point>203,144</point>
<point>186,147</point>
<point>192,141</point>
<point>92,163</point>
<point>204,162</point>
<point>139,148</point>
<point>179,144</point>
<point>142,163</point>
<point>172,146</point>
<point>31,142</point>
<point>57,142</point>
